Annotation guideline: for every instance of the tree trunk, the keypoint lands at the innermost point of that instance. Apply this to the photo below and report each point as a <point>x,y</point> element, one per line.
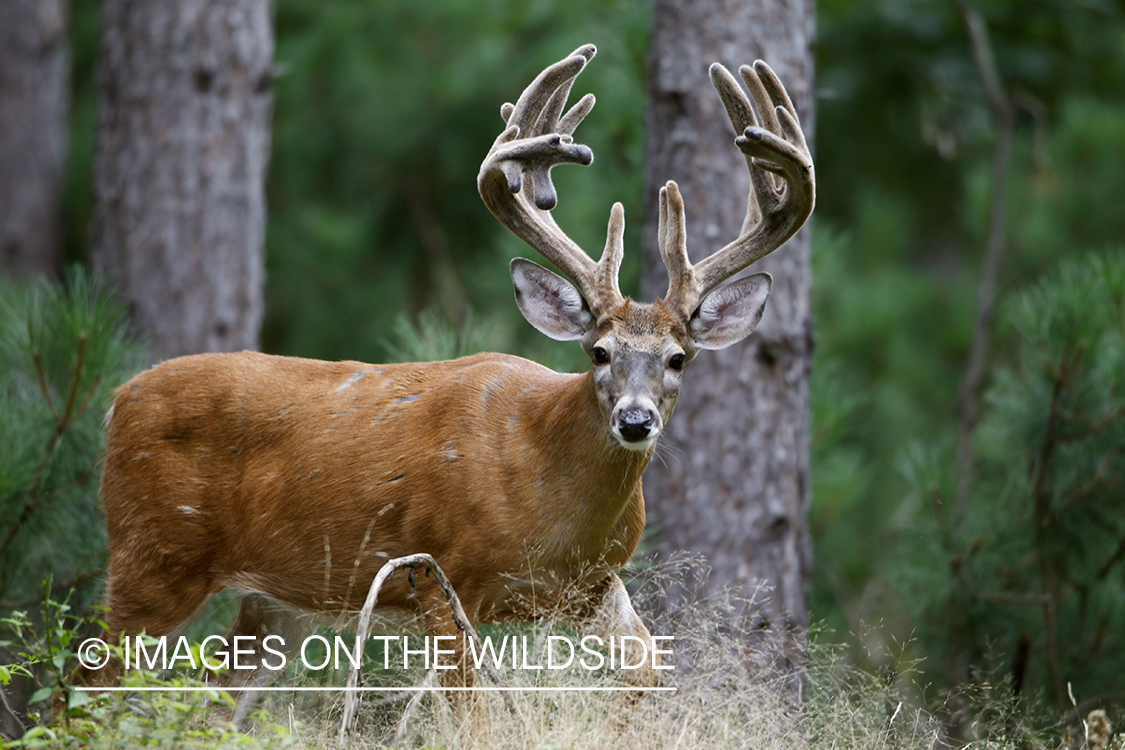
<point>734,485</point>
<point>184,91</point>
<point>34,102</point>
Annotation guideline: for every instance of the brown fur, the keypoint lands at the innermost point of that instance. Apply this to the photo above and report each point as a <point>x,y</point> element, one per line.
<point>299,479</point>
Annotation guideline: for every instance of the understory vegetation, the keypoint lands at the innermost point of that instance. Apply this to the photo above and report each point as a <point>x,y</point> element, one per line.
<point>730,697</point>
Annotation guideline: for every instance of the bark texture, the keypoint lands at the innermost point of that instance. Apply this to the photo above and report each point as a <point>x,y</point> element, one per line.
<point>184,92</point>
<point>34,103</point>
<point>733,484</point>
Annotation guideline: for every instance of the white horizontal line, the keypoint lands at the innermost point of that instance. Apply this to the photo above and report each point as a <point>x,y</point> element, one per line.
<point>417,689</point>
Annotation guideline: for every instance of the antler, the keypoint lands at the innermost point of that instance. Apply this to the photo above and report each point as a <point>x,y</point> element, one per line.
<point>537,137</point>
<point>782,187</point>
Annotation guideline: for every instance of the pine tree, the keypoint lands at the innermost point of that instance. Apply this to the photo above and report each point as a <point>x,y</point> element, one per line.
<point>1030,585</point>
<point>62,350</point>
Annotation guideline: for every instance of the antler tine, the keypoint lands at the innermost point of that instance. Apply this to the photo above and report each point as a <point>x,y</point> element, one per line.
<point>609,267</point>
<point>765,187</point>
<point>550,118</point>
<point>764,75</point>
<point>672,240</point>
<point>537,137</point>
<point>554,79</point>
<point>778,147</point>
<point>573,118</point>
<point>774,147</point>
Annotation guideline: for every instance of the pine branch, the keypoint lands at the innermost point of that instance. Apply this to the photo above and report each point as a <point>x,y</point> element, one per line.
<point>1002,112</point>
<point>1047,577</point>
<point>1103,424</point>
<point>1113,560</point>
<point>1079,493</point>
<point>80,361</point>
<point>41,378</point>
<point>63,423</point>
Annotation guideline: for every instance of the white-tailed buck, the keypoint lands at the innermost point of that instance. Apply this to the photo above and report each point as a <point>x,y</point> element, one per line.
<point>295,480</point>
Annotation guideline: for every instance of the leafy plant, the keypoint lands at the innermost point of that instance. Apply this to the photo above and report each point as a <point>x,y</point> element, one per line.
<point>179,710</point>
<point>1036,569</point>
<point>63,347</point>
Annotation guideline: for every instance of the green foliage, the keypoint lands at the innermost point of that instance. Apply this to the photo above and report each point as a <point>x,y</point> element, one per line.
<point>177,711</point>
<point>886,369</point>
<point>430,337</point>
<point>1032,580</point>
<point>903,110</point>
<point>383,116</point>
<point>63,348</point>
<point>1071,192</point>
<point>41,649</point>
<point>904,166</point>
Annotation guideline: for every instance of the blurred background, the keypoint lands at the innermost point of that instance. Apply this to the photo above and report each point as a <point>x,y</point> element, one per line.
<point>974,541</point>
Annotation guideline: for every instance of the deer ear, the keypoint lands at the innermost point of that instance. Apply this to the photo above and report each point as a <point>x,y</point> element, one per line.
<point>728,314</point>
<point>549,302</point>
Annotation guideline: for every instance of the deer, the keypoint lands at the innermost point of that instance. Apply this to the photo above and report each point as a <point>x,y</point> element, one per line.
<point>294,480</point>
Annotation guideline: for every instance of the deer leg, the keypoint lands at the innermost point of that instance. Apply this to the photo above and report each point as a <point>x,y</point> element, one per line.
<point>611,617</point>
<point>155,602</point>
<point>456,669</point>
<point>259,618</point>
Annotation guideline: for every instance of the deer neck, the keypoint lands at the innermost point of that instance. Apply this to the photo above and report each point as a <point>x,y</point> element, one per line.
<point>596,501</point>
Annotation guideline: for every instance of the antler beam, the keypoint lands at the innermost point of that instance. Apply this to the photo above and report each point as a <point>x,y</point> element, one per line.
<point>515,178</point>
<point>515,182</point>
<point>782,186</point>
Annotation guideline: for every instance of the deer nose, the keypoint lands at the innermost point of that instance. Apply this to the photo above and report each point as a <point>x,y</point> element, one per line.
<point>635,425</point>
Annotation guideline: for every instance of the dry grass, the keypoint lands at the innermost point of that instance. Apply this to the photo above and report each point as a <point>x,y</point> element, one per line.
<point>725,692</point>
<point>730,697</point>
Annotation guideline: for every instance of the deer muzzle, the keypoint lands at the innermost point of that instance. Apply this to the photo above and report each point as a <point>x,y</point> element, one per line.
<point>636,426</point>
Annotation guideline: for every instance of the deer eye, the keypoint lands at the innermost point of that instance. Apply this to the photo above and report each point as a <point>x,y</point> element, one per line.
<point>676,361</point>
<point>599,355</point>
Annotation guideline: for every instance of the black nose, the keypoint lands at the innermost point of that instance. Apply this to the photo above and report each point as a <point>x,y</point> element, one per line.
<point>635,425</point>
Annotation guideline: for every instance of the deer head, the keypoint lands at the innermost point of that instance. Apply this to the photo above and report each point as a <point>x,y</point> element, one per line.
<point>639,350</point>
